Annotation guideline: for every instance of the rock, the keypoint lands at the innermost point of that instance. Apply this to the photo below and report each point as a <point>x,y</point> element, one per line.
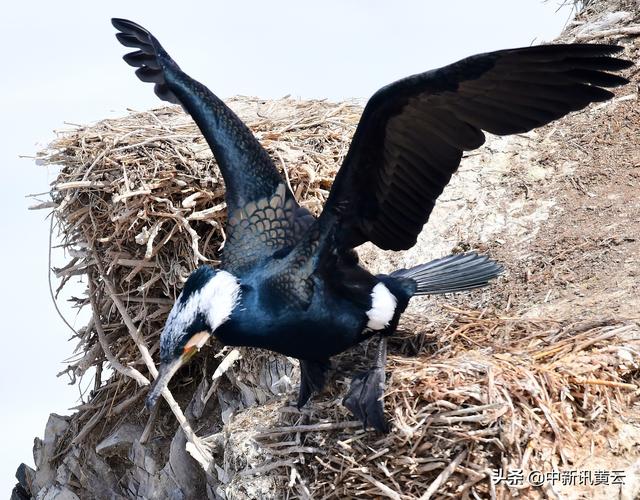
<point>147,457</point>
<point>56,492</point>
<point>44,451</point>
<point>120,441</point>
<point>25,476</point>
<point>158,487</point>
<point>19,493</point>
<point>186,471</point>
<point>92,473</point>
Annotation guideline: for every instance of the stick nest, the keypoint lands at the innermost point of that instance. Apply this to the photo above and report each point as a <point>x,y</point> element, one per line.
<point>139,203</point>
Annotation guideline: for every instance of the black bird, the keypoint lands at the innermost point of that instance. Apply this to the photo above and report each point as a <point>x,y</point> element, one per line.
<point>290,282</point>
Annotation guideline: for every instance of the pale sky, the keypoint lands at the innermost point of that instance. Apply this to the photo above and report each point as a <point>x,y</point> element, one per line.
<point>61,63</point>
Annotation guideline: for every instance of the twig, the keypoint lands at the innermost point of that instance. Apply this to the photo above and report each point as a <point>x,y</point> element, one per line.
<point>43,205</point>
<point>146,433</point>
<point>326,426</point>
<point>380,486</point>
<point>224,365</point>
<point>443,476</point>
<point>127,371</point>
<point>606,383</point>
<point>51,292</point>
<point>266,467</point>
<point>603,336</point>
<point>133,331</point>
<point>615,32</point>
<point>93,421</point>
<point>198,450</point>
<point>116,410</point>
<point>615,101</point>
<point>284,169</point>
<point>297,449</point>
<point>64,186</point>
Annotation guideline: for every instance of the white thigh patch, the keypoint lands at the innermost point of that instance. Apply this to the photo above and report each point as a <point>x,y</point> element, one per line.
<point>383,307</point>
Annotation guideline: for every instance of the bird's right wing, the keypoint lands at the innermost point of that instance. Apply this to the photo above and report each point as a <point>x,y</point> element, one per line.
<point>413,132</point>
<point>263,215</point>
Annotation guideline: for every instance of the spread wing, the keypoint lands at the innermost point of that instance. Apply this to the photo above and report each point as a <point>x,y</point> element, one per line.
<point>413,132</point>
<point>263,215</point>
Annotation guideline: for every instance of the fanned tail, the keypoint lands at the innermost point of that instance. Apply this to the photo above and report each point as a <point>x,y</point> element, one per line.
<point>454,273</point>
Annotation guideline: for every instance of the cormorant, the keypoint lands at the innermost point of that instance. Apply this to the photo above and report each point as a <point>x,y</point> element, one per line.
<point>290,282</point>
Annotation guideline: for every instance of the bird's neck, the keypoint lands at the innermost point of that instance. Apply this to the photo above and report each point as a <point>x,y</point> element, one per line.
<point>219,297</point>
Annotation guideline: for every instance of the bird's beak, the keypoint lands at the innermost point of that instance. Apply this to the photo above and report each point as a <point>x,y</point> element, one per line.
<point>167,370</point>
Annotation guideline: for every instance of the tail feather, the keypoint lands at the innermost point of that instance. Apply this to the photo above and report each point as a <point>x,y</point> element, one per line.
<point>454,273</point>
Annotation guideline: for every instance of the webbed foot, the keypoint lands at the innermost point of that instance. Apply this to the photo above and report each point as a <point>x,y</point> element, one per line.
<point>365,396</point>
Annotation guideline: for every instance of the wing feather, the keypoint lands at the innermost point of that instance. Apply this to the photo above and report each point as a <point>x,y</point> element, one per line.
<point>412,133</point>
<point>263,216</point>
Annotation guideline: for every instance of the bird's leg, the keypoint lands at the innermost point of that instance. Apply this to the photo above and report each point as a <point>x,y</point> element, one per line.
<point>313,377</point>
<point>364,398</point>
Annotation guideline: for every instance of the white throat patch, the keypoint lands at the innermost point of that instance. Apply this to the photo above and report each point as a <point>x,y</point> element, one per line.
<point>383,307</point>
<point>219,297</point>
<point>215,300</point>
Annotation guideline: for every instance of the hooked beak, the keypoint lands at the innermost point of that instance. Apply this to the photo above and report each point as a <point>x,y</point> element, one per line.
<point>167,370</point>
<point>165,373</point>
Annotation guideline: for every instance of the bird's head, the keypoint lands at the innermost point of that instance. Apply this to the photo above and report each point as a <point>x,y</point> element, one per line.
<point>207,300</point>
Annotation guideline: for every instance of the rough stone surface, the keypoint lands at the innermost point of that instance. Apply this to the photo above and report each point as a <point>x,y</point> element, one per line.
<point>120,441</point>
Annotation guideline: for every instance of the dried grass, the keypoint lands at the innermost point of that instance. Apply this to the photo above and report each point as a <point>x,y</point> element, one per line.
<point>494,392</point>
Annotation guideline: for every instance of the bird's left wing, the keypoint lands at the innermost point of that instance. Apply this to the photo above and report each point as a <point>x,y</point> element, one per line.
<point>263,216</point>
<point>413,132</point>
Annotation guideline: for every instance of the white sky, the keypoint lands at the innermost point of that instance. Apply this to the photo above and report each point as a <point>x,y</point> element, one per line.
<point>61,63</point>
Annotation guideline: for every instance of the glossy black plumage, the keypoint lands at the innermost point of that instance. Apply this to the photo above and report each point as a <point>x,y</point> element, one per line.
<point>293,282</point>
<point>251,178</point>
<point>413,132</point>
